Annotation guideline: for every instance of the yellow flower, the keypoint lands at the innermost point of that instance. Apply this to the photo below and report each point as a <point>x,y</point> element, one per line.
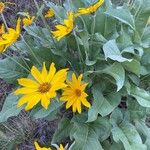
<point>40,148</point>
<point>50,13</point>
<point>10,37</point>
<point>89,10</point>
<point>2,7</point>
<point>43,88</point>
<point>74,94</point>
<point>61,147</point>
<point>28,20</point>
<point>63,30</point>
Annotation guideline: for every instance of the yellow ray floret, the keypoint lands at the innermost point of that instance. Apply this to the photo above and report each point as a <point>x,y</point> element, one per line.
<point>91,9</point>
<point>44,148</point>
<point>74,94</point>
<point>65,29</point>
<point>28,20</point>
<point>40,148</point>
<point>61,147</point>
<point>50,13</point>
<point>10,37</point>
<point>43,88</point>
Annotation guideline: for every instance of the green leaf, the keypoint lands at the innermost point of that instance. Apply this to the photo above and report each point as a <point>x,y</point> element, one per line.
<point>101,127</point>
<point>87,135</point>
<point>145,131</point>
<point>122,14</point>
<point>43,113</point>
<point>117,72</point>
<point>142,96</point>
<point>63,131</point>
<point>142,10</point>
<point>9,108</point>
<point>146,37</point>
<point>10,70</point>
<point>102,105</point>
<point>137,111</point>
<point>129,136</point>
<point>116,116</point>
<point>111,51</point>
<point>134,66</point>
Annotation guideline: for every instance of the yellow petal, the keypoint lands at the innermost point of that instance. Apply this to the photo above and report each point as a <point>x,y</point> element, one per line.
<point>51,73</point>
<point>44,73</point>
<point>74,107</point>
<point>37,146</point>
<point>85,102</point>
<point>36,74</point>
<point>64,98</point>
<point>45,101</point>
<point>33,101</point>
<point>71,101</point>
<point>58,85</point>
<point>23,100</point>
<point>28,83</point>
<point>60,76</point>
<point>61,147</point>
<point>75,81</point>
<point>78,105</point>
<point>51,94</point>
<point>83,86</point>
<point>80,77</point>
<point>25,90</point>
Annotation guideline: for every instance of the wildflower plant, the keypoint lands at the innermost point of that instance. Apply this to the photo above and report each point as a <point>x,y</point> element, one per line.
<point>89,70</point>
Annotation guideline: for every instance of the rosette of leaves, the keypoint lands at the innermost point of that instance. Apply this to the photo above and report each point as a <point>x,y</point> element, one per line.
<point>114,45</point>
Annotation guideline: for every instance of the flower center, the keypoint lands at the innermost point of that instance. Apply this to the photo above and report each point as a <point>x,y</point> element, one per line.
<point>78,92</point>
<point>45,87</point>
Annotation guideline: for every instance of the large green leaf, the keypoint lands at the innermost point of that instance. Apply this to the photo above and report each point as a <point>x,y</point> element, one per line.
<point>129,136</point>
<point>102,105</point>
<point>87,135</point>
<point>101,127</point>
<point>134,66</point>
<point>137,111</point>
<point>117,72</point>
<point>142,13</point>
<point>142,96</point>
<point>145,131</point>
<point>63,131</point>
<point>111,51</point>
<point>9,108</point>
<point>12,69</point>
<point>43,113</point>
<point>123,15</point>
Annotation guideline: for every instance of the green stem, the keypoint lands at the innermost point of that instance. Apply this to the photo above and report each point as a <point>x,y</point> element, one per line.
<point>79,50</point>
<point>93,28</point>
<point>31,50</point>
<point>16,62</point>
<point>45,24</point>
<point>21,56</point>
<point>85,27</point>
